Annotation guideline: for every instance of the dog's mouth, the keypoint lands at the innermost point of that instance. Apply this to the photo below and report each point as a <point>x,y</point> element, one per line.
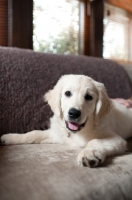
<point>74,127</point>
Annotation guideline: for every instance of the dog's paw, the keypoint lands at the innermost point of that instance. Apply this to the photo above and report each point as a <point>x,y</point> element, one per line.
<point>7,139</point>
<point>90,158</point>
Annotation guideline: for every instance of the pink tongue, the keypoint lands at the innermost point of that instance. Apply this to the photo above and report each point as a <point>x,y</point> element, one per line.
<point>73,126</point>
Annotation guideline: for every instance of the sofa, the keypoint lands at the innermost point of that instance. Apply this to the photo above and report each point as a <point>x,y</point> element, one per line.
<point>50,171</point>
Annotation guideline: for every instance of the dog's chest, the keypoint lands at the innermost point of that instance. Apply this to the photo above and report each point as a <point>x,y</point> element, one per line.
<point>76,140</point>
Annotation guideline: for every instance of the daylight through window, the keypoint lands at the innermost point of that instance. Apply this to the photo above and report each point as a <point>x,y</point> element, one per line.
<point>56,26</point>
<point>117,34</point>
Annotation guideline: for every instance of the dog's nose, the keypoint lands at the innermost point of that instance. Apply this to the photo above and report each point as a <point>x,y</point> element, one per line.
<point>74,113</point>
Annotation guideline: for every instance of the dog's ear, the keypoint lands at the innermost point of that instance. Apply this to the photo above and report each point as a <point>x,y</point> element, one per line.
<point>53,97</point>
<point>104,103</point>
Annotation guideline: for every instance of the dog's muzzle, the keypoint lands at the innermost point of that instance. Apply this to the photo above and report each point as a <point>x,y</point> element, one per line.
<point>73,123</point>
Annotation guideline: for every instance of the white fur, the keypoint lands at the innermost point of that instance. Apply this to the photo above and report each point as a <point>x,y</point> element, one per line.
<point>107,125</point>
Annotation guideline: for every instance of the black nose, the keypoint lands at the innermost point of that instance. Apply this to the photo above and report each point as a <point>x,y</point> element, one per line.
<point>74,113</point>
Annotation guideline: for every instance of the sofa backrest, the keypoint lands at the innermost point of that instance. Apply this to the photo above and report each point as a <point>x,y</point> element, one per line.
<point>25,76</point>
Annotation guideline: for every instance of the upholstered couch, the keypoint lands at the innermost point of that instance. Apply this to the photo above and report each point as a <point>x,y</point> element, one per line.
<point>50,172</point>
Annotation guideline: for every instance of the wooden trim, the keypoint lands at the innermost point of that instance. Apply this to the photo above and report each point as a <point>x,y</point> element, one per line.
<point>86,50</point>
<point>20,23</point>
<point>96,28</point>
<point>124,4</point>
<point>123,62</point>
<point>93,27</point>
<point>3,22</point>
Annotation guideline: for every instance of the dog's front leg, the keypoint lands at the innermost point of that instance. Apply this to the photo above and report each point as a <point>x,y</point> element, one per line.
<point>98,149</point>
<point>35,137</point>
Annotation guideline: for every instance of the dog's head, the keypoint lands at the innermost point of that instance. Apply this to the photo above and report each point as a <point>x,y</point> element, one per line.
<point>77,99</point>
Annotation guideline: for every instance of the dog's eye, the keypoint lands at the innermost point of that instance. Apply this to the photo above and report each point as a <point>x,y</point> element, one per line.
<point>68,93</point>
<point>88,97</point>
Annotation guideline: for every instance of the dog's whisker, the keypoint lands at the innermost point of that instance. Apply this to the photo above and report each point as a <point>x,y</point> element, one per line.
<point>63,127</point>
<point>45,105</point>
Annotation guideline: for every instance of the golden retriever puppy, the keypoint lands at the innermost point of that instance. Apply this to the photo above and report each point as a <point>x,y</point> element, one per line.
<point>84,116</point>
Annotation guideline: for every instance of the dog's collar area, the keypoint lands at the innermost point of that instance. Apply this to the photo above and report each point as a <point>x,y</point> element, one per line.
<point>74,127</point>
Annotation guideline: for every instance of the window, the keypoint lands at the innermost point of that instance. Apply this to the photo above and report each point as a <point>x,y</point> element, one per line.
<point>54,26</point>
<point>117,38</point>
<point>57,26</point>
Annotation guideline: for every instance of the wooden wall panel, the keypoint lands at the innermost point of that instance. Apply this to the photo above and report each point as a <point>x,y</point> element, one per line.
<point>3,22</point>
<point>96,28</point>
<point>87,38</point>
<point>20,23</point>
<point>93,28</point>
<point>124,4</point>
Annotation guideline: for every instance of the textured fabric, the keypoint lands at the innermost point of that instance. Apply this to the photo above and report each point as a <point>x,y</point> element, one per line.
<point>25,76</point>
<point>50,172</point>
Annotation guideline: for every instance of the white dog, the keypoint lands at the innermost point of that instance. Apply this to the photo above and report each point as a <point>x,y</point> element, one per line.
<point>83,116</point>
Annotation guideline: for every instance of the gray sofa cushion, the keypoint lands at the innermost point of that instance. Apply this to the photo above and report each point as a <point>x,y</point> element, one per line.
<point>50,172</point>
